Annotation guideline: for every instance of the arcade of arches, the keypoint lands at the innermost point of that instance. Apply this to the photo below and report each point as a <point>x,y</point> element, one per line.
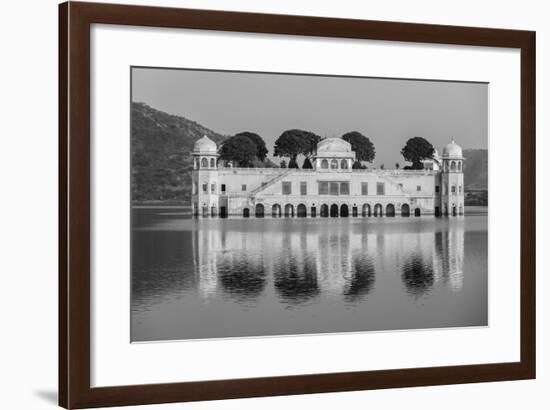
<point>328,210</point>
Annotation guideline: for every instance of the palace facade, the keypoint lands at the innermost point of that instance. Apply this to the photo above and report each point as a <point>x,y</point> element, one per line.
<point>331,189</point>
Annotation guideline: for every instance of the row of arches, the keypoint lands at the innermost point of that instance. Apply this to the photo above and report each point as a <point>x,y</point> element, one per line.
<point>334,164</point>
<point>453,166</point>
<point>333,211</point>
<point>205,163</point>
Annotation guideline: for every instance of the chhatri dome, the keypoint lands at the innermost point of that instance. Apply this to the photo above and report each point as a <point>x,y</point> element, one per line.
<point>452,150</point>
<point>205,145</point>
<point>333,145</point>
<point>334,148</point>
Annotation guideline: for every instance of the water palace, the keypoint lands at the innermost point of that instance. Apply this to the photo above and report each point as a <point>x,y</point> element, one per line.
<point>331,189</point>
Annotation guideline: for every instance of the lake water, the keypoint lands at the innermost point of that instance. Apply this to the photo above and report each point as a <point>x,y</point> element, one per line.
<point>255,277</point>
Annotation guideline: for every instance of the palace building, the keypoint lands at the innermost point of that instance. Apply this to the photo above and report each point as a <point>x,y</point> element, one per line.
<point>331,189</point>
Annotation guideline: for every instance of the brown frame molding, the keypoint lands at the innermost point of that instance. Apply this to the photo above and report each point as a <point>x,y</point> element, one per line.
<point>75,20</point>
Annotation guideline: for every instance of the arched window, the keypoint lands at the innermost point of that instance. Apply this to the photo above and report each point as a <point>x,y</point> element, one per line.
<point>324,164</point>
<point>204,163</point>
<point>405,210</point>
<point>301,211</point>
<point>366,210</point>
<point>453,166</point>
<point>289,211</point>
<point>246,213</point>
<point>260,211</point>
<point>390,210</point>
<point>460,165</point>
<point>334,164</point>
<point>212,163</point>
<point>276,211</point>
<point>344,164</point>
<point>344,211</point>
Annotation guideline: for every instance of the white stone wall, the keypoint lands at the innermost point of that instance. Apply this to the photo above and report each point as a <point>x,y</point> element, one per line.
<point>244,190</point>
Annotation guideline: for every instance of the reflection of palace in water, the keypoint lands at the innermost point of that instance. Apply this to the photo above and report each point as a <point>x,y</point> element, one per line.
<point>343,260</point>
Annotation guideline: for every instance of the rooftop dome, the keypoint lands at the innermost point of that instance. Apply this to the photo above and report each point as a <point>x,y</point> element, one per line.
<point>452,150</point>
<point>333,145</point>
<point>205,145</point>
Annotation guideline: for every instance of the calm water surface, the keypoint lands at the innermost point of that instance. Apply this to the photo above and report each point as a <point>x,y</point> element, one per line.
<point>252,277</point>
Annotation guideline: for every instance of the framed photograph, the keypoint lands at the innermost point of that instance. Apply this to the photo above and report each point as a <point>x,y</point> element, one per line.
<point>255,205</point>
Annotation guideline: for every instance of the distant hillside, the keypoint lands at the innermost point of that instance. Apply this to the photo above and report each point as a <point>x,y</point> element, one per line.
<point>475,169</point>
<point>161,153</point>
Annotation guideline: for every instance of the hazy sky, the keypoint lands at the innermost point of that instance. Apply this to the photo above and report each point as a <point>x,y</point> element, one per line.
<point>388,111</point>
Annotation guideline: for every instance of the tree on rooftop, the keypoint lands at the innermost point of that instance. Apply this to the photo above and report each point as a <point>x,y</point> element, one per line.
<point>415,150</point>
<point>362,145</point>
<point>292,143</point>
<point>261,149</point>
<point>240,150</point>
<point>307,164</point>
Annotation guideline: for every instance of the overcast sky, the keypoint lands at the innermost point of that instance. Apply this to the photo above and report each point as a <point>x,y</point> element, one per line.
<point>388,111</point>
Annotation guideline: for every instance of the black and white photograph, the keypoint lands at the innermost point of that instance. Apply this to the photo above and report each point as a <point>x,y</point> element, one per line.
<point>270,204</point>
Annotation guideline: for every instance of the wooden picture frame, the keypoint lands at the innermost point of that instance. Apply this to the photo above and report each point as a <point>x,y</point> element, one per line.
<point>75,20</point>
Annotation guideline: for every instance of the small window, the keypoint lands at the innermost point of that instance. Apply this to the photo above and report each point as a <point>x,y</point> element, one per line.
<point>204,163</point>
<point>223,187</point>
<point>324,164</point>
<point>334,164</point>
<point>333,187</point>
<point>204,187</point>
<point>213,188</point>
<point>364,188</point>
<point>243,187</point>
<point>287,188</point>
<point>418,188</point>
<point>212,163</point>
<point>460,165</point>
<point>437,189</point>
<point>303,188</point>
<point>380,188</point>
<point>344,164</point>
<point>344,188</point>
<point>453,189</point>
<point>323,188</point>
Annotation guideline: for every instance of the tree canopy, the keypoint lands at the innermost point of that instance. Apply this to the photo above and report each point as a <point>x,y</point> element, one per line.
<point>307,164</point>
<point>261,149</point>
<point>292,143</point>
<point>417,149</point>
<point>239,149</point>
<point>362,145</point>
<point>358,165</point>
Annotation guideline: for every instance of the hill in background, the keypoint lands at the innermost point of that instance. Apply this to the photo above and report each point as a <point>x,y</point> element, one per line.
<point>161,147</point>
<point>476,169</point>
<point>161,153</point>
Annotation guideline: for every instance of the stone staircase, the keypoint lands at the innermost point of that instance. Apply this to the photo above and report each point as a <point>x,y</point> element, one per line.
<point>269,183</point>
